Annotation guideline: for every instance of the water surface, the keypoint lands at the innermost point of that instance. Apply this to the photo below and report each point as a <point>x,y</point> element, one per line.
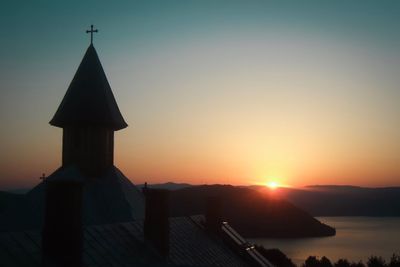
<point>357,238</point>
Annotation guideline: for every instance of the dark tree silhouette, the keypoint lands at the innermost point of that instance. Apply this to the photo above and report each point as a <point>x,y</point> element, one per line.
<point>276,257</point>
<point>375,261</point>
<point>342,263</point>
<point>395,260</point>
<point>325,262</point>
<point>357,264</point>
<point>312,261</point>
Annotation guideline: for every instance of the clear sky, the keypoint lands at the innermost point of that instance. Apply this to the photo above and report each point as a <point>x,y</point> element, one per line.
<point>241,92</point>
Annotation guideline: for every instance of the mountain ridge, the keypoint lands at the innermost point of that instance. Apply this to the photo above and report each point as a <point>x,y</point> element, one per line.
<point>337,200</point>
<point>251,213</point>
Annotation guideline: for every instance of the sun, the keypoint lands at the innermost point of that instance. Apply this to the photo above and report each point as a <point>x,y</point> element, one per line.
<point>272,185</point>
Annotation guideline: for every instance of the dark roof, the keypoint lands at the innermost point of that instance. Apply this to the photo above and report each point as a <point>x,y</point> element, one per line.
<point>89,100</point>
<point>109,198</point>
<point>190,245</point>
<point>123,244</point>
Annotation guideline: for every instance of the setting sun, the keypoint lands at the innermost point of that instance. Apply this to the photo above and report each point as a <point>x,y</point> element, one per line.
<point>272,185</point>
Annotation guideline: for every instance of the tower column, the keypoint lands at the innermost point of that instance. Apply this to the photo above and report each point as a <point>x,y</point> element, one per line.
<point>90,148</point>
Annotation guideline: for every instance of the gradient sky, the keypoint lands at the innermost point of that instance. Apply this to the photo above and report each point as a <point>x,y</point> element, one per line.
<point>240,92</point>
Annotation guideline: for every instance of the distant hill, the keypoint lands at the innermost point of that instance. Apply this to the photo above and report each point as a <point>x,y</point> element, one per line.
<point>168,185</point>
<point>19,190</point>
<point>334,200</point>
<point>252,213</point>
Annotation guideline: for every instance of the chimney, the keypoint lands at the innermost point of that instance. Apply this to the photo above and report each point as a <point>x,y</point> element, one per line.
<point>213,215</point>
<point>156,223</point>
<point>62,236</point>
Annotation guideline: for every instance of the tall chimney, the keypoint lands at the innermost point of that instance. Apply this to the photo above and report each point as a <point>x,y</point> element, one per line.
<point>213,214</point>
<point>62,236</point>
<point>156,223</point>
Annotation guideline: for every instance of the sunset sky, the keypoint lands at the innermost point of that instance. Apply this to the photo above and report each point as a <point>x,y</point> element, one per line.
<point>239,92</point>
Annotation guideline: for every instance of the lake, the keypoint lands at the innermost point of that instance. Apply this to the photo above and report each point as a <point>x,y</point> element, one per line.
<point>357,238</point>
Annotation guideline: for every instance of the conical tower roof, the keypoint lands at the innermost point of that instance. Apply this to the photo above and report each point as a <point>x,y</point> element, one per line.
<point>89,100</point>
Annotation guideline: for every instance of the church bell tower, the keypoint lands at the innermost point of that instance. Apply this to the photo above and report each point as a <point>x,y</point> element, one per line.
<point>89,116</point>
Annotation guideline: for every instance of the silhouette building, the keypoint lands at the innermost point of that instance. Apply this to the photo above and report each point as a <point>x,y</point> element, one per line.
<point>89,115</point>
<point>87,213</point>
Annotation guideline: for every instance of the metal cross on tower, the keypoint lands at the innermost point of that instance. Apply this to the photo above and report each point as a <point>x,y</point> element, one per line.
<point>91,31</point>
